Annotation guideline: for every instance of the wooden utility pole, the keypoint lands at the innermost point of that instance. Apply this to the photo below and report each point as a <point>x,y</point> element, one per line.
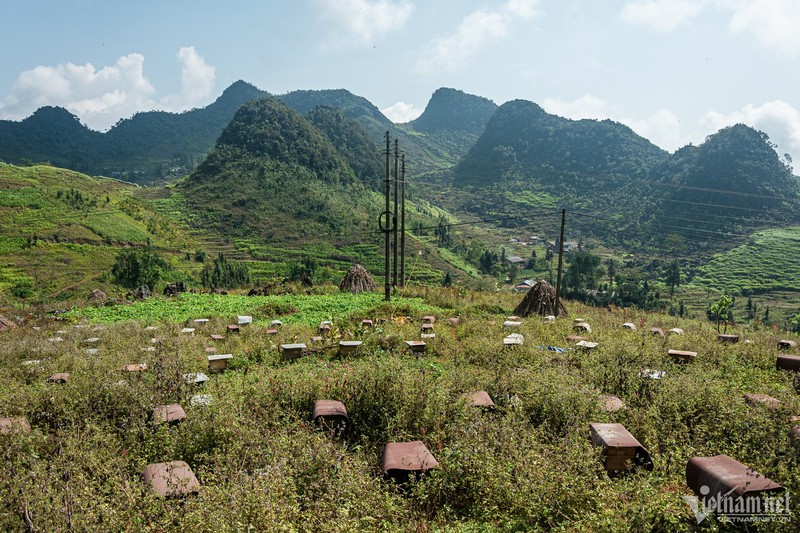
<point>387,214</point>
<point>403,220</point>
<point>560,261</point>
<point>396,183</point>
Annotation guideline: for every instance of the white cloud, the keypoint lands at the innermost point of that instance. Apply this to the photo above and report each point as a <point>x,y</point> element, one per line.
<point>662,128</point>
<point>661,15</point>
<point>197,81</point>
<point>101,97</point>
<point>364,22</point>
<point>451,52</point>
<point>401,112</point>
<point>774,23</point>
<point>777,119</point>
<point>587,106</point>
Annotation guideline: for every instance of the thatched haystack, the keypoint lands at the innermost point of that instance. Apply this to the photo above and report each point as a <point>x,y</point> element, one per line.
<point>357,280</point>
<point>541,300</point>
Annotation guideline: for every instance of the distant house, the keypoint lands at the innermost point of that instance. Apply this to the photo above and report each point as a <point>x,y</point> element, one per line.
<point>524,285</point>
<point>570,245</point>
<point>515,260</point>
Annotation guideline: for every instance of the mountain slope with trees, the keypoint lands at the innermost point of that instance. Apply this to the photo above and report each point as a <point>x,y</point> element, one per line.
<point>142,149</point>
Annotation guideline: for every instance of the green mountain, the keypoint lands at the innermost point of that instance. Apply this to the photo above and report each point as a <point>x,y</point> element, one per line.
<point>713,194</point>
<point>351,141</point>
<point>454,110</point>
<point>453,120</point>
<point>523,141</point>
<point>424,153</point>
<point>142,149</point>
<point>277,187</point>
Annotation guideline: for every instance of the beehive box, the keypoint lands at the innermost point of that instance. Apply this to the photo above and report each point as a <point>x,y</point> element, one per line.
<point>330,415</point>
<point>786,344</point>
<point>762,399</point>
<point>480,398</point>
<point>171,479</point>
<point>219,362</point>
<point>681,356</point>
<point>348,347</point>
<point>416,346</point>
<point>722,475</point>
<point>60,377</point>
<point>788,362</point>
<point>513,339</point>
<point>727,338</point>
<point>169,414</point>
<point>611,403</point>
<point>401,460</point>
<point>621,451</point>
<point>197,378</point>
<point>292,351</point>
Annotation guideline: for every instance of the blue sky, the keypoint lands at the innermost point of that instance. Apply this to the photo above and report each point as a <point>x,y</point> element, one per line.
<point>674,70</point>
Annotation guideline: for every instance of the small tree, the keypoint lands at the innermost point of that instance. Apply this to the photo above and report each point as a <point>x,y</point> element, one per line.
<point>719,309</point>
<point>447,281</point>
<point>673,276</point>
<point>135,267</point>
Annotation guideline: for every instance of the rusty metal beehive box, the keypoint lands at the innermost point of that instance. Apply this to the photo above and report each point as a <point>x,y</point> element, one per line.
<point>404,459</point>
<point>170,414</point>
<point>621,451</point>
<point>174,478</point>
<point>480,398</point>
<point>330,415</point>
<point>788,362</point>
<point>724,475</point>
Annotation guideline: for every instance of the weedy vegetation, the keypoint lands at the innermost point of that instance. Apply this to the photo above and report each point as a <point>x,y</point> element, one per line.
<point>263,465</point>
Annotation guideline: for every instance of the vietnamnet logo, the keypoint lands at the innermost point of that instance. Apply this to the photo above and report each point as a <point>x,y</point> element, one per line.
<point>763,507</point>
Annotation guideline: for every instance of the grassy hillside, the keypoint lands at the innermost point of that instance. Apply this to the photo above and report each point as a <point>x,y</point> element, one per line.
<point>60,231</point>
<point>527,466</point>
<point>769,261</point>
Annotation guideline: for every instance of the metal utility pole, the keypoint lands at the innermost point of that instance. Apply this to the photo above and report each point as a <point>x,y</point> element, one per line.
<point>396,180</point>
<point>386,215</point>
<point>403,220</point>
<point>560,261</point>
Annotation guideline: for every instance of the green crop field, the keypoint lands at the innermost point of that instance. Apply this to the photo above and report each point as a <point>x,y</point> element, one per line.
<point>263,465</point>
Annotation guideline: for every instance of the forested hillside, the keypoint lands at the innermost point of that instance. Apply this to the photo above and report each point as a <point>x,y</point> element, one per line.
<point>142,149</point>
